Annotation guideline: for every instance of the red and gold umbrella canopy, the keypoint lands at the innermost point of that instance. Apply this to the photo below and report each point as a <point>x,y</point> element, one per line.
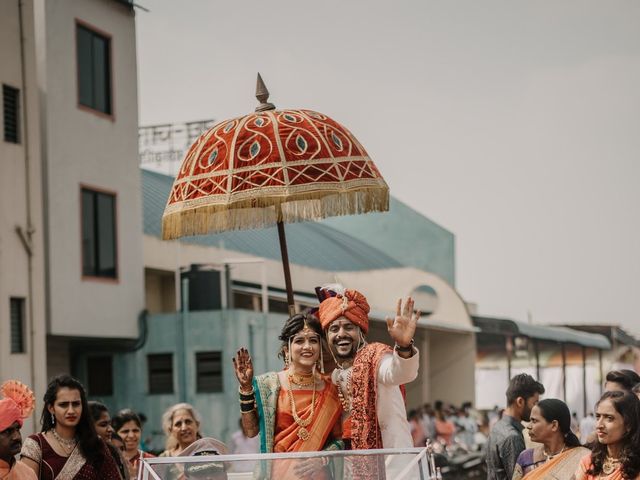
<point>268,168</point>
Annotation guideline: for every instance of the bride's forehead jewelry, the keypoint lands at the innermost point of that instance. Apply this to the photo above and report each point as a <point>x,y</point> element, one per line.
<point>306,331</point>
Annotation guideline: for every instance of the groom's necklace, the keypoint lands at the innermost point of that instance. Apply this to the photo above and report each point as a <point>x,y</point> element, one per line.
<point>346,404</point>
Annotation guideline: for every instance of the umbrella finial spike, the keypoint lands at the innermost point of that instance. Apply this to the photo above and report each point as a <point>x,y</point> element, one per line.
<point>262,94</point>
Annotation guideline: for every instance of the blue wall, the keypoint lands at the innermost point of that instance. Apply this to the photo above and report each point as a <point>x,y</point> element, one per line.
<point>224,331</point>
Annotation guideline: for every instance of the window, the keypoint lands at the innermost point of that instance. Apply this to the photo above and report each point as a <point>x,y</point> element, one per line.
<point>99,255</point>
<point>17,307</point>
<point>209,372</point>
<point>278,306</point>
<point>94,69</point>
<point>11,109</point>
<point>246,301</point>
<point>100,376</point>
<point>160,370</point>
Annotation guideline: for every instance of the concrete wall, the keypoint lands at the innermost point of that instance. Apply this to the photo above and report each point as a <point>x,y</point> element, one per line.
<point>86,148</point>
<point>160,291</point>
<point>58,356</point>
<point>447,362</point>
<point>452,358</point>
<point>21,267</point>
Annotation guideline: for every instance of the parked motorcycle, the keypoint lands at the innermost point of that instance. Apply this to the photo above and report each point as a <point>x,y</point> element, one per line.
<point>462,462</point>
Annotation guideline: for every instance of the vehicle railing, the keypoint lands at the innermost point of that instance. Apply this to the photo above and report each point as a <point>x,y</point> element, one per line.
<point>422,461</point>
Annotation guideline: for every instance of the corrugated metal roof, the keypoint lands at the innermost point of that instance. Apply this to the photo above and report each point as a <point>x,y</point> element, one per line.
<point>507,326</point>
<point>613,332</point>
<point>406,235</point>
<point>310,244</point>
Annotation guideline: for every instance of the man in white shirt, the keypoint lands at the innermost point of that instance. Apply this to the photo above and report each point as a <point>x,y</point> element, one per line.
<point>241,444</point>
<point>587,427</point>
<point>376,416</point>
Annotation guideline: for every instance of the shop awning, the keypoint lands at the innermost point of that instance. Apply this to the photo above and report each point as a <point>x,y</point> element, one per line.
<point>506,326</point>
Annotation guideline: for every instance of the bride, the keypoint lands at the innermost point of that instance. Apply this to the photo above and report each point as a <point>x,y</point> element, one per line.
<point>294,410</point>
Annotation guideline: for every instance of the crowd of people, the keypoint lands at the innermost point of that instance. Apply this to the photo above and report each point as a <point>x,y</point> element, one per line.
<point>80,440</point>
<point>349,397</point>
<point>611,451</point>
<point>448,425</point>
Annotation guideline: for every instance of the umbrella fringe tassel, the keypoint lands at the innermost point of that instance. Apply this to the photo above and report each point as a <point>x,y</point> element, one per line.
<point>262,212</point>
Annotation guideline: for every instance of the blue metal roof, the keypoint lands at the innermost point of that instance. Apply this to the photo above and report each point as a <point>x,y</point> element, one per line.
<point>406,235</point>
<point>507,326</point>
<point>310,244</point>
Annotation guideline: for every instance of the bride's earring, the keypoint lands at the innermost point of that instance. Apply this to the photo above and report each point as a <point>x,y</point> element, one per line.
<point>285,358</point>
<point>321,359</point>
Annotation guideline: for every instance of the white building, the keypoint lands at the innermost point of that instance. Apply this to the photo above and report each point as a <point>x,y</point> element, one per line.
<point>22,265</point>
<point>70,208</point>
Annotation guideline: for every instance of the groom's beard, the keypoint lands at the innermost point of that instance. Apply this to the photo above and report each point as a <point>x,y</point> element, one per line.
<point>344,348</point>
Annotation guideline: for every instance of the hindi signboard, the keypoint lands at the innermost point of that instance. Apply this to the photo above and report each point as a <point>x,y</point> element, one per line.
<point>162,147</point>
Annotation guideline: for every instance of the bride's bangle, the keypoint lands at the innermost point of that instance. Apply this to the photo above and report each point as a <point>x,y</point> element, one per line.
<point>245,395</point>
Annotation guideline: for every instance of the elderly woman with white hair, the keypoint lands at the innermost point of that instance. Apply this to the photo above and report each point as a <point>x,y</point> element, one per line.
<point>181,424</point>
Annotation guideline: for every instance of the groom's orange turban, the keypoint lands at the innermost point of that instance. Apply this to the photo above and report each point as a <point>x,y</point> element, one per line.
<point>352,305</point>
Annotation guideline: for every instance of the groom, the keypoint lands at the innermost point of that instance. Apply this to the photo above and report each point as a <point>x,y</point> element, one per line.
<point>369,376</point>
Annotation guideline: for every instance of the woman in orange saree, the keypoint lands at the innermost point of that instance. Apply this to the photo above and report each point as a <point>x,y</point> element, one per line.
<point>294,410</point>
<point>616,455</point>
<point>560,452</point>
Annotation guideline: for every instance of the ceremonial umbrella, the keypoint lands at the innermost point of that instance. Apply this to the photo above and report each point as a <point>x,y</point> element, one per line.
<point>269,168</point>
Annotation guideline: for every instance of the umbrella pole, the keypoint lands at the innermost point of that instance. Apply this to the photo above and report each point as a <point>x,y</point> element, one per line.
<point>285,266</point>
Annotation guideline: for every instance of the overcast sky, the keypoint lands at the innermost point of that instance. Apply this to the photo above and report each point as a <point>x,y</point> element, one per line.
<point>513,124</point>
